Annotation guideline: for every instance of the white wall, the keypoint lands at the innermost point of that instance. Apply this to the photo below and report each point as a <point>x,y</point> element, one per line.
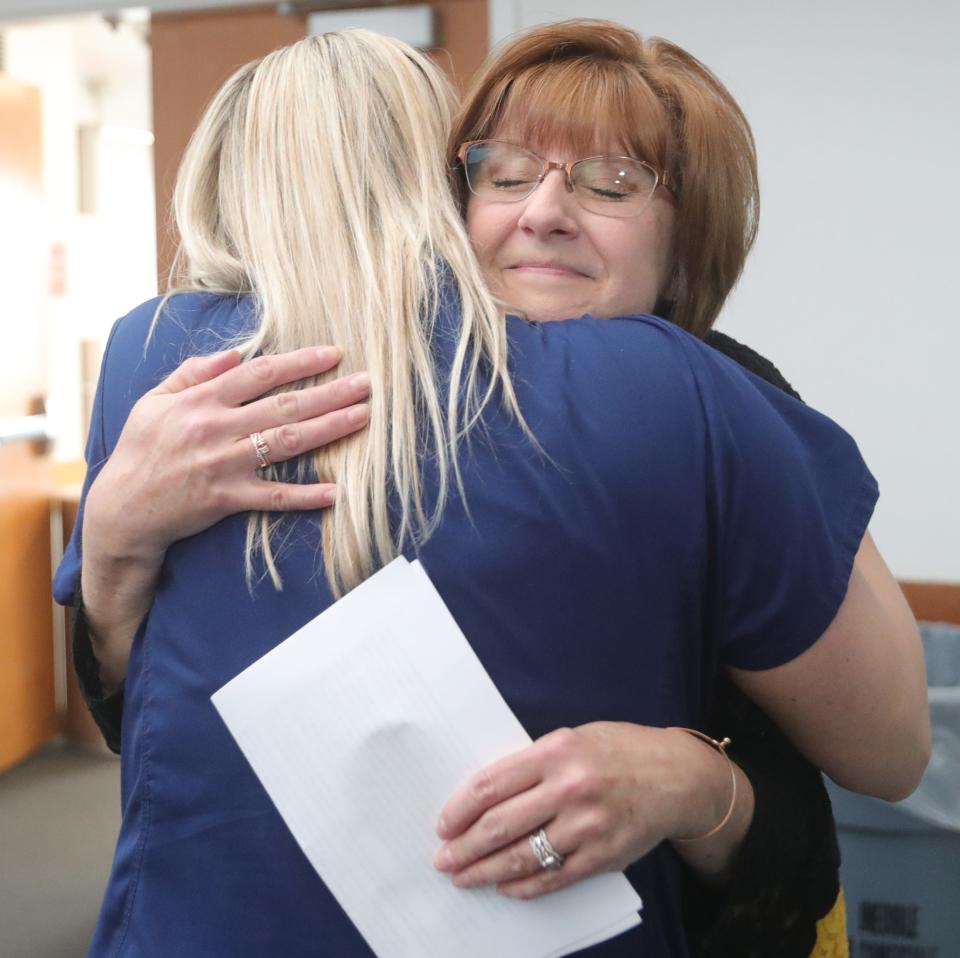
<point>87,73</point>
<point>851,287</point>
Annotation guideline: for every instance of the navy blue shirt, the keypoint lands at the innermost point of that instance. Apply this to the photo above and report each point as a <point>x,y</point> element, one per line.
<point>686,516</point>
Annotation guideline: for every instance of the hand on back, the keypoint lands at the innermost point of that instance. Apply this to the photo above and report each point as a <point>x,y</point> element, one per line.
<point>185,459</point>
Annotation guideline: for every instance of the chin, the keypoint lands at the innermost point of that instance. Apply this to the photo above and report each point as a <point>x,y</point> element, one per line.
<point>549,314</point>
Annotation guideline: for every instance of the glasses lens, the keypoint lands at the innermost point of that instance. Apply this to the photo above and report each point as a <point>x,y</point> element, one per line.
<point>614,185</point>
<point>501,172</point>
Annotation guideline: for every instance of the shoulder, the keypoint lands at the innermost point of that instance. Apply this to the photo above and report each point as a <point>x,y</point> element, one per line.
<point>638,357</point>
<point>619,355</point>
<point>155,337</point>
<point>628,333</point>
<point>644,356</point>
<point>147,344</point>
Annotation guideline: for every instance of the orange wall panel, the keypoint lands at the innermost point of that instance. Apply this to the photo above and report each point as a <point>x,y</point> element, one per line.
<point>27,699</point>
<point>933,601</point>
<point>194,53</point>
<point>28,716</point>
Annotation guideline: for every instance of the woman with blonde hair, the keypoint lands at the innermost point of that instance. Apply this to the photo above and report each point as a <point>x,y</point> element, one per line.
<point>602,575</point>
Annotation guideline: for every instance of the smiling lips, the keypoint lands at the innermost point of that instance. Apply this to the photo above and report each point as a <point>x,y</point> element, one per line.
<point>547,268</point>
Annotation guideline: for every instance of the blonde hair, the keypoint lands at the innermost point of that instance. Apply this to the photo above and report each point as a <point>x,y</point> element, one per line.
<point>316,183</point>
<point>578,83</point>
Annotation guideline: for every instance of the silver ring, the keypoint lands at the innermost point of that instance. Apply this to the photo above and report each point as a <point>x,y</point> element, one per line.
<point>546,854</point>
<point>261,448</point>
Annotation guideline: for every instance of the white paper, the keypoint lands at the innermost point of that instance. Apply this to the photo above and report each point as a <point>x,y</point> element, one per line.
<point>360,727</point>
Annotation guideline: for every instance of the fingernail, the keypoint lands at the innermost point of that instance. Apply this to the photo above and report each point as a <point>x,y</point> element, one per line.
<point>443,860</point>
<point>360,380</point>
<point>330,495</point>
<point>442,827</point>
<point>356,414</point>
<point>328,354</point>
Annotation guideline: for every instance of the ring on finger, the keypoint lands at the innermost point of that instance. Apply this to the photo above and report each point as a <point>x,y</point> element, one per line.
<point>261,448</point>
<point>546,854</point>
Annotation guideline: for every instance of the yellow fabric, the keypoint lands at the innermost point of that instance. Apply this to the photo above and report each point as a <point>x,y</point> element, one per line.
<point>832,932</point>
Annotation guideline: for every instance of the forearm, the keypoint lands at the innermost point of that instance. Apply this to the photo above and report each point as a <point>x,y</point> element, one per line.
<point>609,792</point>
<point>855,702</point>
<point>117,583</point>
<point>154,489</point>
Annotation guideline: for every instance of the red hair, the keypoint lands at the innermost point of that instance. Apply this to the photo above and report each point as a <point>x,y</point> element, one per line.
<point>578,83</point>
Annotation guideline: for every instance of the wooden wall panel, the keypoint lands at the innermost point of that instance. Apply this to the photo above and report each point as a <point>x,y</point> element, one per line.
<point>933,601</point>
<point>193,53</point>
<point>464,29</point>
<point>27,699</point>
<point>28,716</point>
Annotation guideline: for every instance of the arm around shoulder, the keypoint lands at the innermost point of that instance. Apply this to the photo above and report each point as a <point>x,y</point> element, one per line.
<point>855,702</point>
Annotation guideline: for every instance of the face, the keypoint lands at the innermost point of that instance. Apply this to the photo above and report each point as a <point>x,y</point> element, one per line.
<point>550,259</point>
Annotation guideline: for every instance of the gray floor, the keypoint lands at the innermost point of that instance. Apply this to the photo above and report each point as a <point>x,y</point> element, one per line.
<point>59,815</point>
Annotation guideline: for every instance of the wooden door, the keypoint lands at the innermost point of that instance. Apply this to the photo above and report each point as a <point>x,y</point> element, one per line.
<point>194,53</point>
<point>28,715</point>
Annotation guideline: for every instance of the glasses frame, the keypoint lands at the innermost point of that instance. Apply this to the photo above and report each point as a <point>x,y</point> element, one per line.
<point>567,170</point>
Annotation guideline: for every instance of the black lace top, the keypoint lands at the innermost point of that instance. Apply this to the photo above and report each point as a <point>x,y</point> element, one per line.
<point>785,876</point>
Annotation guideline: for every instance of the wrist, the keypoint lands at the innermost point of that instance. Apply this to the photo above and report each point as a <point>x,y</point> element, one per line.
<point>116,543</point>
<point>116,599</point>
<point>710,787</point>
<point>118,581</point>
<point>717,817</point>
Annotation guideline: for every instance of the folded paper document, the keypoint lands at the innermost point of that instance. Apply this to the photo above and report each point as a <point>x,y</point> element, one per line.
<point>360,726</point>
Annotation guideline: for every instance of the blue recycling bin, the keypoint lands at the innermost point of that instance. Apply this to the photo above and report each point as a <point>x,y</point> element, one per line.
<point>901,862</point>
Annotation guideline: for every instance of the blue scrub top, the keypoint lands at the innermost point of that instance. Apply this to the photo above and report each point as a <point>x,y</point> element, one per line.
<point>687,516</point>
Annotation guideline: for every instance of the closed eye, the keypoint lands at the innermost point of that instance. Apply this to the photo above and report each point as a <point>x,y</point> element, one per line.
<point>609,194</point>
<point>505,184</point>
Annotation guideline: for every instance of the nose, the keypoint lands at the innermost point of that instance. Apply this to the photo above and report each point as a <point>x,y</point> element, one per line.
<point>550,210</point>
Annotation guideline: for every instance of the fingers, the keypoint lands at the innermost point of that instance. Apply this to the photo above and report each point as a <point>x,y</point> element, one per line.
<point>199,369</point>
<point>293,439</point>
<point>583,786</point>
<point>495,830</point>
<point>576,867</point>
<point>289,496</point>
<point>516,871</point>
<point>496,783</point>
<point>263,373</point>
<point>300,404</point>
<point>512,864</point>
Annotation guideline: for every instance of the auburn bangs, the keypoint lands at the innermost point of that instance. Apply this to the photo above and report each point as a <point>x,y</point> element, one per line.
<point>581,107</point>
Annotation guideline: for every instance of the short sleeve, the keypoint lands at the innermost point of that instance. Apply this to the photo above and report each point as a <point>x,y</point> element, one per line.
<point>66,580</point>
<point>790,498</point>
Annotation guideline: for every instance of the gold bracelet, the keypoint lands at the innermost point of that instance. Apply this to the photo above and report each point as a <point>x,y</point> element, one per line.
<point>721,747</point>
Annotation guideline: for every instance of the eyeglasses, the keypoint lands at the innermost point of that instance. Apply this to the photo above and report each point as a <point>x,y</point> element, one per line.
<point>609,185</point>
